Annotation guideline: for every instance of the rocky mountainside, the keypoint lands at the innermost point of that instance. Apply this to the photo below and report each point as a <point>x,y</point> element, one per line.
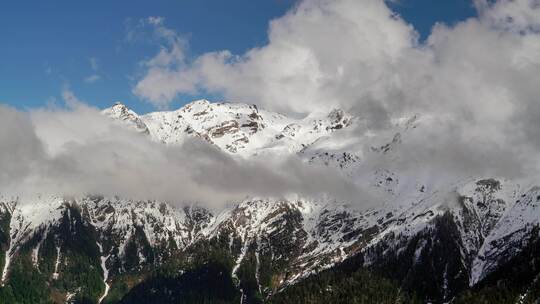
<point>236,128</point>
<point>471,241</point>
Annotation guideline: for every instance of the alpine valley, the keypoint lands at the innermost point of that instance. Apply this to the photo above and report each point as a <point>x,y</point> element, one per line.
<point>474,240</point>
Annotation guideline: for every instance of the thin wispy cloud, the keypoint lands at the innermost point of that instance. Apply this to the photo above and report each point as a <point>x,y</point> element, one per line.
<point>162,82</point>
<point>92,78</point>
<point>94,65</point>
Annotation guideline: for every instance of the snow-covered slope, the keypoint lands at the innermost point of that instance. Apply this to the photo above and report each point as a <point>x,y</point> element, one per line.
<point>120,112</point>
<point>490,215</point>
<point>236,128</point>
<point>461,231</point>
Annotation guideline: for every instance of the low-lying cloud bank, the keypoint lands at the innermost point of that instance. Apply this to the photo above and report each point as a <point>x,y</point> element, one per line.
<point>79,151</point>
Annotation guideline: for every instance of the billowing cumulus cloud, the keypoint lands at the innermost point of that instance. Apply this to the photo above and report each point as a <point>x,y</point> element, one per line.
<point>162,81</point>
<point>318,54</point>
<point>476,82</point>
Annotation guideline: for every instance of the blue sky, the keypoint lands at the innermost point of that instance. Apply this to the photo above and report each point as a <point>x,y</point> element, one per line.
<point>48,45</point>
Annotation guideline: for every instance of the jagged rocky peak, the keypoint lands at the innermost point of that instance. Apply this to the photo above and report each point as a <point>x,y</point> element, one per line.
<point>237,128</point>
<point>120,111</point>
<point>198,102</point>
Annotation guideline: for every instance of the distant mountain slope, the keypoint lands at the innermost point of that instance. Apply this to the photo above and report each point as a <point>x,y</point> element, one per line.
<point>235,128</point>
<point>422,242</point>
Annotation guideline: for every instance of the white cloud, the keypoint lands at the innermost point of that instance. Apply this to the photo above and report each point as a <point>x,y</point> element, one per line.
<point>519,16</point>
<point>155,20</point>
<point>479,78</point>
<point>315,51</point>
<point>94,64</point>
<point>162,82</point>
<point>92,78</point>
<point>69,97</point>
<point>475,82</point>
<point>78,151</point>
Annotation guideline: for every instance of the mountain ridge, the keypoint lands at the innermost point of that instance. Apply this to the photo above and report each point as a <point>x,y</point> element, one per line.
<point>268,247</point>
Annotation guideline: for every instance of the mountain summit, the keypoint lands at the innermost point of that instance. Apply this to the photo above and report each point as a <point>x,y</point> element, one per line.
<point>235,128</point>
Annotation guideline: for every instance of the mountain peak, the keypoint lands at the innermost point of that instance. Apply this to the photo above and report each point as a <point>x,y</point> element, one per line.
<point>119,105</point>
<point>201,101</point>
<point>120,111</point>
<point>234,127</point>
<point>117,110</point>
<point>198,102</point>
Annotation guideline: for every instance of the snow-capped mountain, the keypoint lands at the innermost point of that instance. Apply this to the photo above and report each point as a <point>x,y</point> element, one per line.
<point>439,243</point>
<point>235,128</point>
